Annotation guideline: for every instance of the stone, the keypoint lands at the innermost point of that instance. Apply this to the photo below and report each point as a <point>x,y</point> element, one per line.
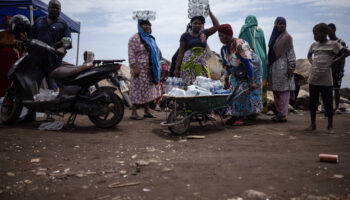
<point>35,160</point>
<point>302,70</point>
<point>214,64</point>
<point>254,195</point>
<point>345,92</point>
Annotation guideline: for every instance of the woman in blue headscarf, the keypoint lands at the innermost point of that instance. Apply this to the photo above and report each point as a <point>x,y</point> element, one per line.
<point>144,56</point>
<point>281,64</point>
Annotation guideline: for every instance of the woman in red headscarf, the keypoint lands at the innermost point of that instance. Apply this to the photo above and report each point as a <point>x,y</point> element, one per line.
<point>243,71</point>
<point>10,51</point>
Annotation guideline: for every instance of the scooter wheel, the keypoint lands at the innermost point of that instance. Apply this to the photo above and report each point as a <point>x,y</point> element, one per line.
<point>113,115</point>
<point>11,108</point>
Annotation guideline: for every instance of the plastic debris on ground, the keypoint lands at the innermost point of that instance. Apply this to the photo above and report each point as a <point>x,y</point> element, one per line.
<point>45,95</point>
<point>51,126</point>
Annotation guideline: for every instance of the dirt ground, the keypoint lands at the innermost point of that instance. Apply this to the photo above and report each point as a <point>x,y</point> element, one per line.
<point>278,159</point>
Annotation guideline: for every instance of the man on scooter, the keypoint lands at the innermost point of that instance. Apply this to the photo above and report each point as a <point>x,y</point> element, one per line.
<point>55,32</point>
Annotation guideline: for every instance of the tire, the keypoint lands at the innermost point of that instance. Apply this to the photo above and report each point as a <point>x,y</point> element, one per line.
<point>216,120</point>
<point>179,129</point>
<point>114,107</point>
<point>11,106</point>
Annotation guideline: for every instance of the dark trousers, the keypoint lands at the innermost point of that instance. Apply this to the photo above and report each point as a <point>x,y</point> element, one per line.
<point>327,98</point>
<point>44,71</point>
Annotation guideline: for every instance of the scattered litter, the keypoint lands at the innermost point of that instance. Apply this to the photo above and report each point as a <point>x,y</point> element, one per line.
<point>146,190</point>
<point>292,138</point>
<point>35,160</point>
<point>85,187</point>
<point>134,156</point>
<point>79,175</point>
<point>182,140</point>
<point>28,181</point>
<point>41,174</point>
<point>238,198</point>
<point>51,126</point>
<point>90,173</point>
<point>195,137</point>
<point>118,185</point>
<point>328,158</point>
<point>166,169</point>
<point>104,197</point>
<point>166,131</point>
<point>33,188</point>
<point>122,172</point>
<point>338,176</point>
<point>10,174</point>
<point>142,162</point>
<point>56,172</point>
<point>237,136</point>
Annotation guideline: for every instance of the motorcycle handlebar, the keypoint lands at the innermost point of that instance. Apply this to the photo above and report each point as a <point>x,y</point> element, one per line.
<point>37,43</point>
<point>108,61</point>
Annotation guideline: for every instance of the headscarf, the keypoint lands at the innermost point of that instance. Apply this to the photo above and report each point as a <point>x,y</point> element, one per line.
<point>154,51</point>
<point>200,18</point>
<point>250,21</point>
<point>275,32</point>
<point>279,43</point>
<point>225,29</point>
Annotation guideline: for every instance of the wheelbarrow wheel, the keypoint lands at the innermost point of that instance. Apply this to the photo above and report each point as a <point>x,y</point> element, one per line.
<point>181,128</point>
<point>217,120</point>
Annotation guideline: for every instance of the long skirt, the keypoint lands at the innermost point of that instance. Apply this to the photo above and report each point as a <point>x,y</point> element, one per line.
<point>250,102</point>
<point>281,102</point>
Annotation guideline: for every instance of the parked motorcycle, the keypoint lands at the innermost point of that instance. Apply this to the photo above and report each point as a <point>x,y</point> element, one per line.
<point>103,107</point>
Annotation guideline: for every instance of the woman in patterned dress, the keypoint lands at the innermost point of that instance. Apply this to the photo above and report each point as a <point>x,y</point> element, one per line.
<point>191,60</point>
<point>237,57</point>
<point>144,68</point>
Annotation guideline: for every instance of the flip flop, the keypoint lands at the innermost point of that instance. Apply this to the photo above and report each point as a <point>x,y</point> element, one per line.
<point>135,117</point>
<point>149,115</point>
<point>238,123</point>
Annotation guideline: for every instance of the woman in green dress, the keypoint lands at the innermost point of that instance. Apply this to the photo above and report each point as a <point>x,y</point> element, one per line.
<point>191,61</point>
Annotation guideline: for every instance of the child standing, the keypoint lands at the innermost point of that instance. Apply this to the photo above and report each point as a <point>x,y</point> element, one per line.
<point>322,55</point>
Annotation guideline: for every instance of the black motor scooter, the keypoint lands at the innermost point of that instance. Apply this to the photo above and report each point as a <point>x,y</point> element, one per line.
<point>103,107</point>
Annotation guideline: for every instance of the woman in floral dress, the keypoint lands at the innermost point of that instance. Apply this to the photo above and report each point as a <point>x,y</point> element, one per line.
<point>191,60</point>
<point>144,68</point>
<point>238,58</point>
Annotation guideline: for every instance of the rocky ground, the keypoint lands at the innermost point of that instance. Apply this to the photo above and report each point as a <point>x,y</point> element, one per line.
<point>142,160</point>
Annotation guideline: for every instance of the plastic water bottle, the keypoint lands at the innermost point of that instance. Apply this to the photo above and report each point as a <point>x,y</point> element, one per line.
<point>168,84</point>
<point>177,92</point>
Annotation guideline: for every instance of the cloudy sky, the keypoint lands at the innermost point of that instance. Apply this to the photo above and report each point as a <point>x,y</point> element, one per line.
<point>107,25</point>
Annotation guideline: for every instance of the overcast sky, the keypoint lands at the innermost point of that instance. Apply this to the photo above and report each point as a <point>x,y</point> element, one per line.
<point>107,25</point>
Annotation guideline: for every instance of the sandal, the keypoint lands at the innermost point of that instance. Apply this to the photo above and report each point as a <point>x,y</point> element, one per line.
<point>239,123</point>
<point>135,117</point>
<point>149,115</point>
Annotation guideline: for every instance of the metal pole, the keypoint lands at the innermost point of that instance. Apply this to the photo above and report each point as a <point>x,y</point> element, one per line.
<point>31,14</point>
<point>78,49</point>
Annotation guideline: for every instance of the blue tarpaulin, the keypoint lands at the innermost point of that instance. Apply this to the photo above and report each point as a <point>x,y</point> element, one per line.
<point>14,7</point>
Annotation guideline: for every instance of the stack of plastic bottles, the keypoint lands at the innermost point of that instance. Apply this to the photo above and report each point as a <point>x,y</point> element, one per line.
<point>202,86</point>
